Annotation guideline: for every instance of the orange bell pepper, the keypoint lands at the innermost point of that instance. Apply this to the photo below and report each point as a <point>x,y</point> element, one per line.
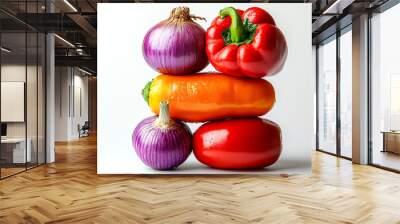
<point>209,96</point>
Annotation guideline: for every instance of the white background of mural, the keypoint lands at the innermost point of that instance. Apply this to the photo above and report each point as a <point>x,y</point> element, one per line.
<point>122,73</point>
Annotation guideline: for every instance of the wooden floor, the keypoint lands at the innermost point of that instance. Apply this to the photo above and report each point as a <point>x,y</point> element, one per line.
<point>70,191</point>
<point>5,172</point>
<point>387,159</point>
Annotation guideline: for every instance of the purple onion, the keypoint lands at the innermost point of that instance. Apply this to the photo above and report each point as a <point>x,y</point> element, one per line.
<point>176,46</point>
<point>162,143</point>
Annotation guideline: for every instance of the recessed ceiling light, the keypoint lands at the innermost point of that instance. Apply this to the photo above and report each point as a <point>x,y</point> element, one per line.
<point>65,41</point>
<point>337,7</point>
<point>84,71</point>
<point>5,50</point>
<point>70,5</point>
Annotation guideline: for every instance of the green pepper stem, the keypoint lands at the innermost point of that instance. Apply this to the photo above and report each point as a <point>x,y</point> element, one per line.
<point>163,118</point>
<point>238,32</point>
<point>146,92</point>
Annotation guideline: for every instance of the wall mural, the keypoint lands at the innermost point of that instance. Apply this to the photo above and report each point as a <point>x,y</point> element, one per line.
<point>205,88</point>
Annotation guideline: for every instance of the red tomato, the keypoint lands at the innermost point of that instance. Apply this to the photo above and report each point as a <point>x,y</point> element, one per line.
<point>246,143</point>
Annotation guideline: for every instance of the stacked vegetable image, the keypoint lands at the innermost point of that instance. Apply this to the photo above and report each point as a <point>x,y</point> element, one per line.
<point>243,46</point>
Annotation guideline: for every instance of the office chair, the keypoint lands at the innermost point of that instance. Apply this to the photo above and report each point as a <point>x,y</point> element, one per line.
<point>84,130</point>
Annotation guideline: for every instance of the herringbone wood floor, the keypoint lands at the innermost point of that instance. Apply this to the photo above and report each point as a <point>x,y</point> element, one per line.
<point>69,191</point>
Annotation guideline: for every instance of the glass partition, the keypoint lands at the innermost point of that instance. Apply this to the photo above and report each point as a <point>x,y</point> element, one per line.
<point>385,89</point>
<point>32,97</point>
<point>14,153</point>
<point>23,89</point>
<point>41,97</point>
<point>346,94</point>
<point>327,96</point>
<point>335,94</point>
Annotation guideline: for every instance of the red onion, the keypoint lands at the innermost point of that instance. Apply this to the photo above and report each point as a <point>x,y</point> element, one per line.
<point>160,142</point>
<point>176,46</point>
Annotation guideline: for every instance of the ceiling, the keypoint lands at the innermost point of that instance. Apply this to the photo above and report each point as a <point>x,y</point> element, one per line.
<point>76,21</point>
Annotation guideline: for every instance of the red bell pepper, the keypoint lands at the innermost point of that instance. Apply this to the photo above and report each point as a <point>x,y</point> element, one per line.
<point>246,44</point>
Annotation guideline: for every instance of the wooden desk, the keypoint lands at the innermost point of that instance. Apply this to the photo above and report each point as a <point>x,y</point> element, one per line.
<point>391,141</point>
<point>13,150</point>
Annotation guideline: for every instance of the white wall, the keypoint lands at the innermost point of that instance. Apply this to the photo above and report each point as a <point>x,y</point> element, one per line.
<point>80,111</point>
<point>71,102</point>
<point>62,82</point>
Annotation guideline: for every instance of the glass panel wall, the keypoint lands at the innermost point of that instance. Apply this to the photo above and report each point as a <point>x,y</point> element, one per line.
<point>335,94</point>
<point>22,89</point>
<point>31,100</point>
<point>346,93</point>
<point>13,110</point>
<point>385,89</point>
<point>327,96</point>
<point>41,97</point>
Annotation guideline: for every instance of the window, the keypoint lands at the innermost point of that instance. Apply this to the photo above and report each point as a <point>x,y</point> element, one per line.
<point>327,96</point>
<point>385,89</point>
<point>333,77</point>
<point>346,94</point>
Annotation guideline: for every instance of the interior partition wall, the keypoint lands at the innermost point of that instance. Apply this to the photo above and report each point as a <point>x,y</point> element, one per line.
<point>23,88</point>
<point>334,93</point>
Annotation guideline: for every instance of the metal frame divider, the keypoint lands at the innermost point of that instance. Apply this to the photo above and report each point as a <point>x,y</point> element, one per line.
<point>317,97</point>
<point>338,82</point>
<point>26,87</point>
<point>369,77</point>
<point>37,91</point>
